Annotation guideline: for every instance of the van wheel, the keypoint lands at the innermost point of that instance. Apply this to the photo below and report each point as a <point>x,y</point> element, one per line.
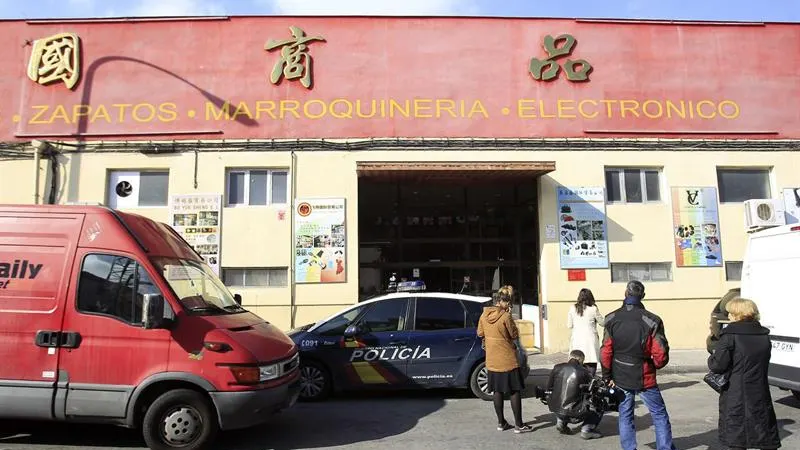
<point>315,382</point>
<point>796,394</point>
<point>479,382</point>
<point>180,419</point>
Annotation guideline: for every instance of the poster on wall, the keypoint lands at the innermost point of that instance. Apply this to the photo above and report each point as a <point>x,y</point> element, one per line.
<point>196,217</point>
<point>791,203</point>
<point>320,240</point>
<point>695,220</point>
<point>582,228</point>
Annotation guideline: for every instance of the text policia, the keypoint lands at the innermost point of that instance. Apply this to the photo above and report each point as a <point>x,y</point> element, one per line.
<point>19,269</point>
<point>390,353</point>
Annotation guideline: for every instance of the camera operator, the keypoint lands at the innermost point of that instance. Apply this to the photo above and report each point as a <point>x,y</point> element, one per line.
<point>570,398</point>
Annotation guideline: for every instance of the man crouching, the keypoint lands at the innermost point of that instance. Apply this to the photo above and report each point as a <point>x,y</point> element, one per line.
<point>569,397</point>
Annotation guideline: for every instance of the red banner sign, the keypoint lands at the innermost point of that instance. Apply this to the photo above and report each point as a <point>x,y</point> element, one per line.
<point>289,77</point>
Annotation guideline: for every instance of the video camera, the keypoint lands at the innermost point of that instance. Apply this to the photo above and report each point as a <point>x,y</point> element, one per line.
<point>601,397</point>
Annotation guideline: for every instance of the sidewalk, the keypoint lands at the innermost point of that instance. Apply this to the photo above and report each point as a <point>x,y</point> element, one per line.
<point>680,361</point>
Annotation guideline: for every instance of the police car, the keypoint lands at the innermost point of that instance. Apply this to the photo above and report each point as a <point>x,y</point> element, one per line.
<point>404,339</point>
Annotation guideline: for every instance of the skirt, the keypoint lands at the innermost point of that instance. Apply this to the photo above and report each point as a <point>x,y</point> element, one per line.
<point>506,382</point>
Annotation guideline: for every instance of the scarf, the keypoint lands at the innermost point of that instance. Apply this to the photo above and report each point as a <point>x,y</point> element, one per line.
<point>633,300</point>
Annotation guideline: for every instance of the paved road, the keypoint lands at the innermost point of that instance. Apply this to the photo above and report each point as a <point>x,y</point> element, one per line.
<point>418,420</point>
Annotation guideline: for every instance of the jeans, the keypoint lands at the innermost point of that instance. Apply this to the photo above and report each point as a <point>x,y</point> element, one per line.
<point>590,422</point>
<point>658,411</point>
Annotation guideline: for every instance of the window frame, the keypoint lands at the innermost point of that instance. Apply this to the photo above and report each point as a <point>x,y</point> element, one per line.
<point>110,190</point>
<point>244,277</point>
<point>413,322</point>
<point>770,171</point>
<point>643,183</point>
<point>650,265</point>
<point>77,291</point>
<point>246,200</point>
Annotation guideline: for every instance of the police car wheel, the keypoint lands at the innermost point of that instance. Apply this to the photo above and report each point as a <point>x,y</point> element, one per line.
<point>315,381</point>
<point>479,382</point>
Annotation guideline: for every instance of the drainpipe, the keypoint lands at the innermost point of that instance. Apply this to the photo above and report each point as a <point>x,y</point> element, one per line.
<point>293,258</point>
<point>37,148</point>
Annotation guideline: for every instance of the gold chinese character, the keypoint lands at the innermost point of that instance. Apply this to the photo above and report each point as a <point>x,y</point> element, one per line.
<point>295,62</point>
<point>56,57</point>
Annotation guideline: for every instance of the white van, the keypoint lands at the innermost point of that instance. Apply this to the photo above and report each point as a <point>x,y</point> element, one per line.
<point>771,278</point>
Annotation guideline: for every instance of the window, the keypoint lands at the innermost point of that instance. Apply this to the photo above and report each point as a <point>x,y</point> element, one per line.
<point>733,270</point>
<point>270,277</point>
<point>624,272</point>
<point>738,185</point>
<point>337,325</point>
<point>386,315</point>
<point>439,314</point>
<point>474,311</point>
<point>633,185</point>
<point>114,286</point>
<point>257,187</point>
<point>138,189</point>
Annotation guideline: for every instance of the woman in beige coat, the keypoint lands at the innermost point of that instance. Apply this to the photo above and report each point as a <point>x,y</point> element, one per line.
<point>499,332</point>
<point>583,318</point>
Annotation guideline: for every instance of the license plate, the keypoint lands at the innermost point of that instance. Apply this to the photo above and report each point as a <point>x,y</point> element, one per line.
<point>786,347</point>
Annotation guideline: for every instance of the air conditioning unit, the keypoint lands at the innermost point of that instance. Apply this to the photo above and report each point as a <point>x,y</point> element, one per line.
<point>759,213</point>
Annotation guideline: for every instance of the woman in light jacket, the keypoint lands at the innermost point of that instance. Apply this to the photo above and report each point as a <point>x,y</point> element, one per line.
<point>499,333</point>
<point>746,414</point>
<point>583,318</point>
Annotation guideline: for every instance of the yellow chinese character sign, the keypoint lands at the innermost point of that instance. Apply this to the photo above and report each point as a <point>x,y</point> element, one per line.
<point>56,58</point>
<point>295,61</point>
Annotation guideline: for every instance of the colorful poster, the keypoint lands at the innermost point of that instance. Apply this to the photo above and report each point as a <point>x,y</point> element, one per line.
<point>695,222</point>
<point>196,217</point>
<point>791,203</point>
<point>582,228</point>
<point>320,240</point>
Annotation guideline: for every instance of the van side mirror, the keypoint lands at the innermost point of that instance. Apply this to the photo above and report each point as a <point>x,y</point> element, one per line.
<point>353,330</point>
<point>153,311</point>
<point>237,298</point>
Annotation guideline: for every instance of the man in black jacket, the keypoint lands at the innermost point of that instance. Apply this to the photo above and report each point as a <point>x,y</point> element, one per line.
<point>634,347</point>
<point>568,385</point>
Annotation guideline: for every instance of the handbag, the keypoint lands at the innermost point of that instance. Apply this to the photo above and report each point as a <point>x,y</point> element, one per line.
<point>717,381</point>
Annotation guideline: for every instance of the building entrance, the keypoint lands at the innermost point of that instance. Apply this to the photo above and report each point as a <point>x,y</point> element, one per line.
<point>443,229</point>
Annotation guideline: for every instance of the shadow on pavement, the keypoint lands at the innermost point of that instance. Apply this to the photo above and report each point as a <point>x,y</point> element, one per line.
<point>676,384</point>
<point>69,435</point>
<point>341,421</point>
<point>789,401</point>
<point>709,440</point>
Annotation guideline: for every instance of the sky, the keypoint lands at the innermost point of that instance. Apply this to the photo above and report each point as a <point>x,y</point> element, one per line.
<point>733,10</point>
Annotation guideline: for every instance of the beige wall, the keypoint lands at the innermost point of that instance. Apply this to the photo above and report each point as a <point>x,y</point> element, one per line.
<point>256,237</point>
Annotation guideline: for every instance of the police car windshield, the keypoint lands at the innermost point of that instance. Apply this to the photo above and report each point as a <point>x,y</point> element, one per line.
<point>197,287</point>
<point>337,325</point>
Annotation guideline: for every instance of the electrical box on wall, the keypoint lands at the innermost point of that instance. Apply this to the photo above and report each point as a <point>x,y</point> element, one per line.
<point>759,213</point>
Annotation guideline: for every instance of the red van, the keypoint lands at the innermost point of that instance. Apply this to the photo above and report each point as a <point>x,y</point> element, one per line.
<point>108,317</point>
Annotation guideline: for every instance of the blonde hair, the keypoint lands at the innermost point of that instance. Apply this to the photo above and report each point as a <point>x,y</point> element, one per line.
<point>740,309</point>
<point>504,294</point>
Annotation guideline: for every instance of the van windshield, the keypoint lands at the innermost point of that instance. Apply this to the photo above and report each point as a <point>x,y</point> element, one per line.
<point>197,287</point>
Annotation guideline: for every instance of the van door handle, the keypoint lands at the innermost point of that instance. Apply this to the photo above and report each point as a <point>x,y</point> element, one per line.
<point>462,339</point>
<point>47,338</point>
<point>398,342</point>
<point>70,339</point>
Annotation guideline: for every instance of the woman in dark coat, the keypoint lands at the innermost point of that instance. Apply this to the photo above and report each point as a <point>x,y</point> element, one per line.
<point>746,414</point>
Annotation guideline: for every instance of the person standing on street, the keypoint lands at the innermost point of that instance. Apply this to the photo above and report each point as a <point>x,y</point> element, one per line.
<point>634,347</point>
<point>583,318</point>
<point>497,328</point>
<point>746,414</point>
